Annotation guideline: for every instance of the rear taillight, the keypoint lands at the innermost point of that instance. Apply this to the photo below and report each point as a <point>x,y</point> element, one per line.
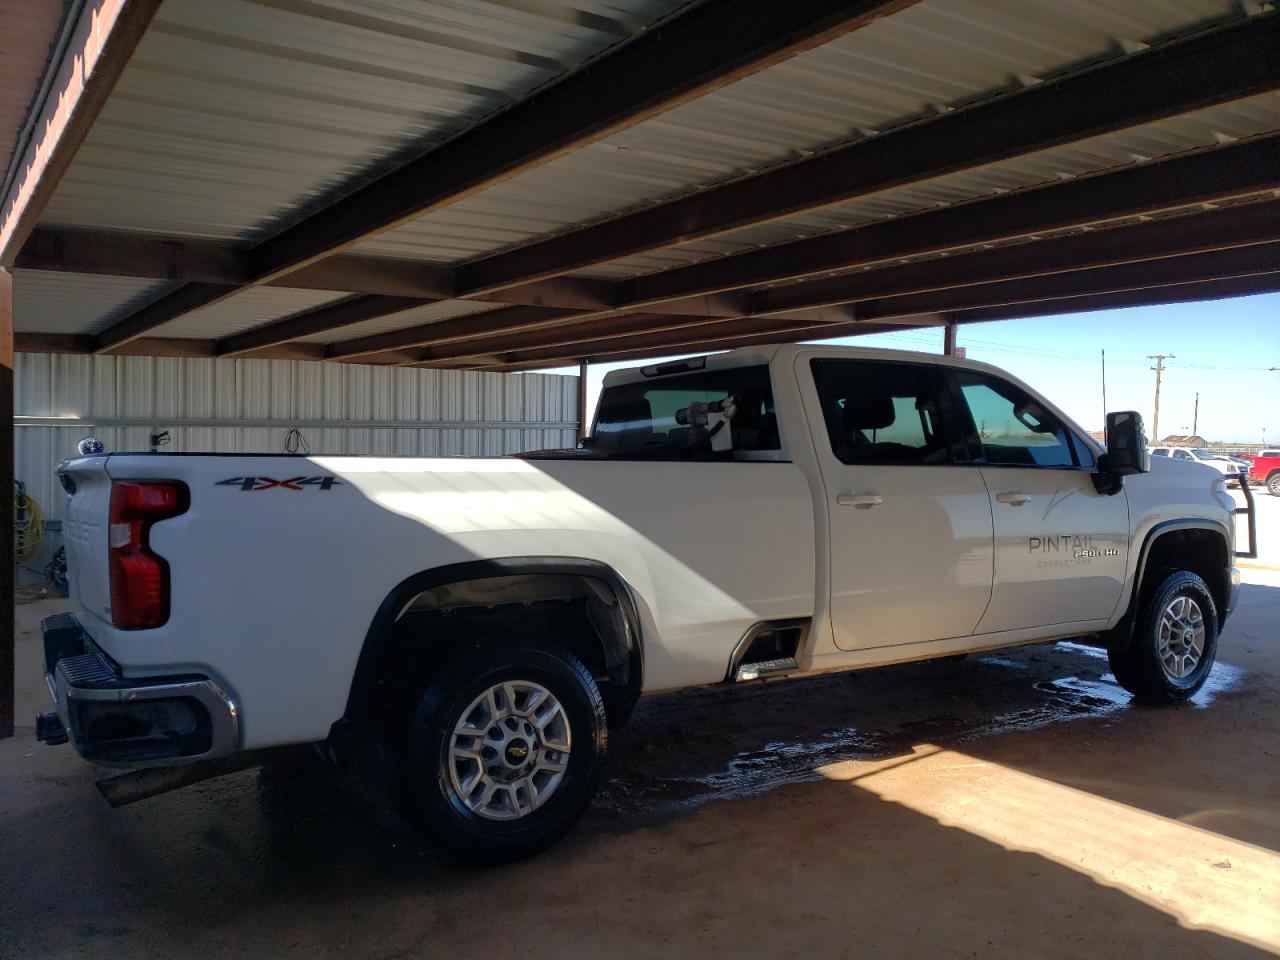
<point>139,578</point>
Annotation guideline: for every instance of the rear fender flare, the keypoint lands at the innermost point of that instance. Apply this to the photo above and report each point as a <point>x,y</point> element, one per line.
<point>623,650</point>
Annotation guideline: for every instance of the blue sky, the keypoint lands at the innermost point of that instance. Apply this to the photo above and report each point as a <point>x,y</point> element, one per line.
<point>1222,348</point>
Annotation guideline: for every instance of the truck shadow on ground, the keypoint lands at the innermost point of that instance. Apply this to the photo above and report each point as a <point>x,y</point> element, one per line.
<point>280,858</point>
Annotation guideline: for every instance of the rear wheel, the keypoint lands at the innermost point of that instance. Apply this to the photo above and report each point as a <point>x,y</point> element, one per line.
<point>504,752</point>
<point>1174,643</point>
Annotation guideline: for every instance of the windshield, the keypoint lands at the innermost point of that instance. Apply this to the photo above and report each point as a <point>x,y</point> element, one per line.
<point>688,416</point>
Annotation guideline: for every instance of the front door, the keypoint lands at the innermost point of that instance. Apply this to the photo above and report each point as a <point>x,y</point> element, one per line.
<point>1060,546</point>
<point>910,530</point>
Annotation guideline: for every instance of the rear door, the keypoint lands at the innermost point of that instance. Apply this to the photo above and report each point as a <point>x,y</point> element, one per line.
<point>910,534</point>
<point>1060,546</point>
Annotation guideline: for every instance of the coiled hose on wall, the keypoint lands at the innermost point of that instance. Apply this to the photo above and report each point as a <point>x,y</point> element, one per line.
<point>28,525</point>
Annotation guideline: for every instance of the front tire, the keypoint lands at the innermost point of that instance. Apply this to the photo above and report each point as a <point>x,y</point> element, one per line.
<point>1174,643</point>
<point>504,752</point>
<point>1273,484</point>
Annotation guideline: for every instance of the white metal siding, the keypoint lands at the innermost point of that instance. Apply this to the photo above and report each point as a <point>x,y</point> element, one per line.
<point>339,408</point>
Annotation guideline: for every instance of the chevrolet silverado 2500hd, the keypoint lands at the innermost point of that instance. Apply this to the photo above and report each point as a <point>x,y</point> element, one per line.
<point>480,623</point>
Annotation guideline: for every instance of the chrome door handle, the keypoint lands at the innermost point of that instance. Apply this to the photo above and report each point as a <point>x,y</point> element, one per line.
<point>863,501</point>
<point>1015,498</point>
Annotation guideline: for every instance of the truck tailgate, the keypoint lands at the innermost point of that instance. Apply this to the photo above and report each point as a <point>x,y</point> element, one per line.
<point>85,532</point>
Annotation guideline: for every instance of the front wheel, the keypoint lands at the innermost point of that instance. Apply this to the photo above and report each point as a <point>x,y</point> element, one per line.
<point>504,753</point>
<point>1273,484</point>
<point>1174,643</point>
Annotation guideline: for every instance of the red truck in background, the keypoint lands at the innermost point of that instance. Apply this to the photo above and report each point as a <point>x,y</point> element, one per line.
<point>1266,469</point>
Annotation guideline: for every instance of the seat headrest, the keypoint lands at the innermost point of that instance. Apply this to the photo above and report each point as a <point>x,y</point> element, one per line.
<point>867,410</point>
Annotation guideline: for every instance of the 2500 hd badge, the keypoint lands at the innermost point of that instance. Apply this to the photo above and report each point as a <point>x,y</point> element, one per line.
<point>1084,546</point>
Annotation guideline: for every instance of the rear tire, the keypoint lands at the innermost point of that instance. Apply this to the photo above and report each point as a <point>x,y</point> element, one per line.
<point>1174,642</point>
<point>504,752</point>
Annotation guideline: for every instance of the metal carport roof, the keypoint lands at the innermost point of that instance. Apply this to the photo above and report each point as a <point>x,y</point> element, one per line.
<point>503,185</point>
<point>510,184</point>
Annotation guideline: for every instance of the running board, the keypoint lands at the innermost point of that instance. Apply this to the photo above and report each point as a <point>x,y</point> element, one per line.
<point>766,668</point>
<point>768,649</point>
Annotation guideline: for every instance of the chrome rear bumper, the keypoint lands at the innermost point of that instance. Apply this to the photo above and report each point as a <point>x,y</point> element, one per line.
<point>132,722</point>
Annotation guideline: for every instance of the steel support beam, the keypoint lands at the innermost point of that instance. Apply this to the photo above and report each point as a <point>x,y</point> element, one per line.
<point>949,338</point>
<point>963,302</point>
<point>1214,174</point>
<point>594,331</point>
<point>514,329</point>
<point>582,399</point>
<point>1184,293</point>
<point>7,643</point>
<point>1248,286</point>
<point>1234,226</point>
<point>1220,65</point>
<point>504,320</point>
<point>1210,176</point>
<point>705,332</point>
<point>101,44</point>
<point>1172,271</point>
<point>712,44</point>
<point>160,347</point>
<point>726,342</point>
<point>321,319</point>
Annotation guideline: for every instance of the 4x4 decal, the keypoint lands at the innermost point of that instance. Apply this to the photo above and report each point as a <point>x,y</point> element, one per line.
<point>267,483</point>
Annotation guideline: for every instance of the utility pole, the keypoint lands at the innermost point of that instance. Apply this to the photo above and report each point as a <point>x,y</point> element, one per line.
<point>1195,417</point>
<point>1159,358</point>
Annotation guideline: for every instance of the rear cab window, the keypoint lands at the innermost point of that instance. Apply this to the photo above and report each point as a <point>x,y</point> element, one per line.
<point>725,414</point>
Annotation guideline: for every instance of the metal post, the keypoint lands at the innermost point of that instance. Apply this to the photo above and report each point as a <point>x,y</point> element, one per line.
<point>1195,418</point>
<point>1104,387</point>
<point>949,338</point>
<point>582,399</point>
<point>7,643</point>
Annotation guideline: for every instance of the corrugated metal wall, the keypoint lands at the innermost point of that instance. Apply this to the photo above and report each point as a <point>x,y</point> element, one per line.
<point>249,406</point>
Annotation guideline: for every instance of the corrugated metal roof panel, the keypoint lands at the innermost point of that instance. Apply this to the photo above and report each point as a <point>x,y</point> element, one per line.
<point>1166,137</point>
<point>251,308</point>
<point>232,117</point>
<point>444,310</point>
<point>938,52</point>
<point>74,302</point>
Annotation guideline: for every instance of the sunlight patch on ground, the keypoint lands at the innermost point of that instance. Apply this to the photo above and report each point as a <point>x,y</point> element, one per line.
<point>1205,880</point>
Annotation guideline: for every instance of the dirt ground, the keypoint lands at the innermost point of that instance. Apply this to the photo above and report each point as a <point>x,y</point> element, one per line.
<point>1011,805</point>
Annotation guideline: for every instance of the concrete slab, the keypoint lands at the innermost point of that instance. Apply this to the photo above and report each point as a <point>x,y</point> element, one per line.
<point>1012,805</point>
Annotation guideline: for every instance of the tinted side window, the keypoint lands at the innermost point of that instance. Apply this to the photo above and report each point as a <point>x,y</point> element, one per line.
<point>649,418</point>
<point>881,412</point>
<point>1011,427</point>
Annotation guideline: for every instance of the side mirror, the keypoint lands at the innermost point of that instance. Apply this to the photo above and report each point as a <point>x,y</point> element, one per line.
<point>1126,451</point>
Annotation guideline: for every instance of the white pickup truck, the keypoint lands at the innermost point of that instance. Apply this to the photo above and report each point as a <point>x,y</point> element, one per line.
<point>479,624</point>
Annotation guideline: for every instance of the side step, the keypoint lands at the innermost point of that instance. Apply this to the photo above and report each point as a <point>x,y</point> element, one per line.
<point>769,649</point>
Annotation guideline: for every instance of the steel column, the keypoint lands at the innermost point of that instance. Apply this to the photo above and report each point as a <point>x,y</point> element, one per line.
<point>7,643</point>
